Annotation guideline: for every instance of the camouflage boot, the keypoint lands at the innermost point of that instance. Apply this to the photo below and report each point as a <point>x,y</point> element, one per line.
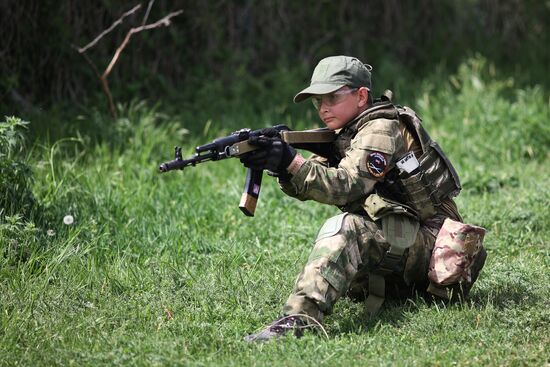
<point>279,328</point>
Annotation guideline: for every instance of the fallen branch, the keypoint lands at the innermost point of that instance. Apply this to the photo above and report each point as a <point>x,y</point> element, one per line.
<point>113,26</point>
<point>159,23</point>
<point>165,21</point>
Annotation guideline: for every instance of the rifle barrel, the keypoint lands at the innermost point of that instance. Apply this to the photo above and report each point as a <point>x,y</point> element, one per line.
<point>182,163</point>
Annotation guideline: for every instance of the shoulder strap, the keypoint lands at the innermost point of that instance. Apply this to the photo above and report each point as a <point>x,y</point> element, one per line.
<point>413,123</point>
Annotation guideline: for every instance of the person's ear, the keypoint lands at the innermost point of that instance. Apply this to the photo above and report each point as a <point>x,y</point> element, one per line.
<point>363,96</point>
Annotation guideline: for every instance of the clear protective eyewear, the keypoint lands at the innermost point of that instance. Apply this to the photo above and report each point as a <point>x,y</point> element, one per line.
<point>332,98</point>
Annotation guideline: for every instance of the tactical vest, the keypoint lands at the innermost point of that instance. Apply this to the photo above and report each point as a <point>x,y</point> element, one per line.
<point>435,178</point>
<point>422,189</point>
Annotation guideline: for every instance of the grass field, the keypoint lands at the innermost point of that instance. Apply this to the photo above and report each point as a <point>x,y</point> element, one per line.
<point>165,270</point>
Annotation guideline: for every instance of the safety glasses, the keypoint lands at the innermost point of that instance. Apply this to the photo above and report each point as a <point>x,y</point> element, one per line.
<point>332,98</point>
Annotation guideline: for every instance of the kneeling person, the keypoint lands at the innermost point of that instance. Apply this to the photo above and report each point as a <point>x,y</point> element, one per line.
<point>394,186</point>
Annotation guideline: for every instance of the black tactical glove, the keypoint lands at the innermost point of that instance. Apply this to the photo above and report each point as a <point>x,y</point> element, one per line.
<point>273,154</point>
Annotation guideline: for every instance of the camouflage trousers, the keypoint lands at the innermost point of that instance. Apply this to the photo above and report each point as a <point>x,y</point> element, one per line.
<point>348,247</point>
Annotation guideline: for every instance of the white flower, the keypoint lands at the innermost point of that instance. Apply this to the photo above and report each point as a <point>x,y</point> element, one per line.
<point>68,220</point>
<point>50,232</point>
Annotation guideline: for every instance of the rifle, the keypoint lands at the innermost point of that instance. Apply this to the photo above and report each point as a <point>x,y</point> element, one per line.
<point>236,144</point>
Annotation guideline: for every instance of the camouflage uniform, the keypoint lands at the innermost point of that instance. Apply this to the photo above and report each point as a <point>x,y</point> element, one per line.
<point>394,186</point>
<point>351,245</point>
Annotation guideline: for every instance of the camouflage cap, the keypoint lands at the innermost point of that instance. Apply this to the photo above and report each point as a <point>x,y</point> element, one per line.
<point>334,72</point>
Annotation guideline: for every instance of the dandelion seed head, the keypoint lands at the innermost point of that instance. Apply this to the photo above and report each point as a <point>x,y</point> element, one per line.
<point>68,220</point>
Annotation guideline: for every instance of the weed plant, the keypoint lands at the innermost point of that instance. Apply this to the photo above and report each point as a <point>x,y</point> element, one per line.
<point>165,270</point>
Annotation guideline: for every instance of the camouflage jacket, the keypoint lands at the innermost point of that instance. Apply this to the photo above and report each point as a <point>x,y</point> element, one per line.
<point>365,149</point>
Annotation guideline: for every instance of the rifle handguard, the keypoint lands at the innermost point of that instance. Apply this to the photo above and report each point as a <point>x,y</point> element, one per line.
<point>237,144</point>
<point>308,136</point>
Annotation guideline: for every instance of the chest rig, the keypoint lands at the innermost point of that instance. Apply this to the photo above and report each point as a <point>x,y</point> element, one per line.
<point>421,189</point>
<point>432,181</point>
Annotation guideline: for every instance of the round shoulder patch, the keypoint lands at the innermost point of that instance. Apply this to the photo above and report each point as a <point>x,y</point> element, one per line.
<point>376,164</point>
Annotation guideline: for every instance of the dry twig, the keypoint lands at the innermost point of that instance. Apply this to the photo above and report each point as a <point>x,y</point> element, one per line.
<point>113,26</point>
<point>165,21</point>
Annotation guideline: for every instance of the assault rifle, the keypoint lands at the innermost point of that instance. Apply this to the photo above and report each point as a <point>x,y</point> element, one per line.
<point>236,144</point>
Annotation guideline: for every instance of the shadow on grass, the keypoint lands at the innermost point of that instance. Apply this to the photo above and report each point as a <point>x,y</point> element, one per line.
<point>505,295</point>
<point>352,317</point>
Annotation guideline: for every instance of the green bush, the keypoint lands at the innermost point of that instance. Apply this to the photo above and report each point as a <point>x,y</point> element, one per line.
<point>19,209</point>
<point>16,176</point>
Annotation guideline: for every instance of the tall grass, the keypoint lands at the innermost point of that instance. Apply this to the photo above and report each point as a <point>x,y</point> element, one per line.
<point>165,270</point>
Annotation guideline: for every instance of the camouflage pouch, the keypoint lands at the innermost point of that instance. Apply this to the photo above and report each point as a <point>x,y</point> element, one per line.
<point>457,258</point>
<point>378,207</point>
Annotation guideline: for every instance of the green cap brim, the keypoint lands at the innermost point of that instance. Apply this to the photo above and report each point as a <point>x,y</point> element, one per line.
<point>317,88</point>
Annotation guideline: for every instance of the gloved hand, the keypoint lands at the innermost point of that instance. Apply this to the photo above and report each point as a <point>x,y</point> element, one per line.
<point>273,154</point>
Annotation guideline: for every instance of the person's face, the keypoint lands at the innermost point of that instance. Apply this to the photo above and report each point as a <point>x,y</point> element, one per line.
<point>338,108</point>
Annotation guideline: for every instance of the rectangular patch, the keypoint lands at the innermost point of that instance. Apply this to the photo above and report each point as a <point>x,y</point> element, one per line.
<point>334,276</point>
<point>408,163</point>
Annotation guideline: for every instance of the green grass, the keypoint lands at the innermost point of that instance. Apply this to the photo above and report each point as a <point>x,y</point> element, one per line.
<point>165,270</point>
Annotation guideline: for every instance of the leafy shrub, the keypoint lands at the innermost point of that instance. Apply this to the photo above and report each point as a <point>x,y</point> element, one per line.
<point>16,176</point>
<point>18,238</point>
<point>19,209</point>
